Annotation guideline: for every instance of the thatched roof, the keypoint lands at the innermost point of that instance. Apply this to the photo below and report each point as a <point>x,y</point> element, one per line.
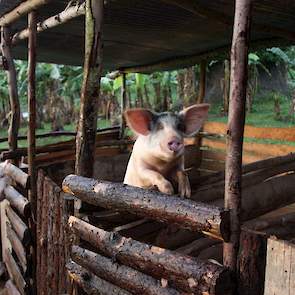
<point>139,32</point>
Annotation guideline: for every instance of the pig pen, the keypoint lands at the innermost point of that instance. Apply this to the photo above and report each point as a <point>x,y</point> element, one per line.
<point>103,237</point>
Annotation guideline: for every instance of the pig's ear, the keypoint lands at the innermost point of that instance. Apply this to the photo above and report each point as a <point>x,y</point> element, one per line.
<point>139,120</point>
<point>194,117</point>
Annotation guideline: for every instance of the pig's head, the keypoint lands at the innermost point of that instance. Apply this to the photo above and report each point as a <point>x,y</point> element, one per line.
<point>164,132</point>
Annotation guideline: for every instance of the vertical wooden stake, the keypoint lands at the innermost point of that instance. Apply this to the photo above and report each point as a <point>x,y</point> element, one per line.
<point>202,81</point>
<point>14,120</point>
<point>123,105</point>
<point>236,122</point>
<point>86,135</point>
<point>32,25</point>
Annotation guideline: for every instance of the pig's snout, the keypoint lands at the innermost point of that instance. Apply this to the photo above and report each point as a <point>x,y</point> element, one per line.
<point>175,145</point>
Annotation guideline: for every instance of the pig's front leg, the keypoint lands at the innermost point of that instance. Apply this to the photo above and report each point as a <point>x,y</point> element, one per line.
<point>184,188</point>
<point>156,179</point>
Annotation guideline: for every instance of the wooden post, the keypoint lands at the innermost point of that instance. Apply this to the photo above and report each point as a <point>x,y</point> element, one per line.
<point>14,120</point>
<point>236,122</point>
<point>123,105</point>
<point>251,264</point>
<point>202,81</point>
<point>32,25</point>
<point>85,141</point>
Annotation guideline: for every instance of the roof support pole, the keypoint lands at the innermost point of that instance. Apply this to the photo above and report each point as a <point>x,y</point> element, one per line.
<point>85,140</point>
<point>23,9</point>
<point>32,24</point>
<point>202,81</point>
<point>14,120</point>
<point>123,105</point>
<point>236,122</point>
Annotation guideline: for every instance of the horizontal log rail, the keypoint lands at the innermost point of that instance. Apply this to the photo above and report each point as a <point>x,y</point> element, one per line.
<point>90,283</point>
<point>22,9</point>
<point>15,173</point>
<point>123,276</point>
<point>152,204</point>
<point>22,152</point>
<point>61,133</point>
<point>187,273</point>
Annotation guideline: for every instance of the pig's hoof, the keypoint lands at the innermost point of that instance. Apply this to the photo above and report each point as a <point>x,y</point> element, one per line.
<point>166,188</point>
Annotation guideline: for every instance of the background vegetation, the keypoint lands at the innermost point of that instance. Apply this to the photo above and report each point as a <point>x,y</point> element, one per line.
<point>270,95</point>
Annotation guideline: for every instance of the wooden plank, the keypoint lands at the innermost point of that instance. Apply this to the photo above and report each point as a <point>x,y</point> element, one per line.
<point>280,268</point>
<point>212,165</point>
<point>5,243</point>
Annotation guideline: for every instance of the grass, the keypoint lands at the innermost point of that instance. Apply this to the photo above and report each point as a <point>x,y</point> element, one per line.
<point>262,114</point>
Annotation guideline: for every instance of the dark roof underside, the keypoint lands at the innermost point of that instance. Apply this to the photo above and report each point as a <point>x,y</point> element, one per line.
<point>138,32</point>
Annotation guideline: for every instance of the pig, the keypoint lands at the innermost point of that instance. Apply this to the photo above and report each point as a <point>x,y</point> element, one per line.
<point>157,159</point>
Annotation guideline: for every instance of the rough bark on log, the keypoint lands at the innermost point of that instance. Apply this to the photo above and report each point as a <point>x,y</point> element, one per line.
<point>120,275</point>
<point>53,21</point>
<point>148,203</point>
<point>236,122</point>
<point>19,226</point>
<point>15,173</point>
<point>251,263</point>
<point>11,288</point>
<point>86,135</point>
<point>15,273</point>
<point>18,248</point>
<point>22,9</point>
<point>92,284</point>
<point>16,200</point>
<point>12,88</point>
<point>185,272</point>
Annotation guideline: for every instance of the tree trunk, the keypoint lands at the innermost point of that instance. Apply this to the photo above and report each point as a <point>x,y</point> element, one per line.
<point>86,136</point>
<point>236,122</point>
<point>202,81</point>
<point>226,86</point>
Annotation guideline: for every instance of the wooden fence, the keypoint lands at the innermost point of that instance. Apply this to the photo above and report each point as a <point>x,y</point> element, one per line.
<point>15,233</point>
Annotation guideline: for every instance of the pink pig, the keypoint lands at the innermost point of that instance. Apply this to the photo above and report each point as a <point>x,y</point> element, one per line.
<point>157,159</point>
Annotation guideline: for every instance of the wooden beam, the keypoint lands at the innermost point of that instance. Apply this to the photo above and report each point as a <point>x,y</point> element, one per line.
<point>236,122</point>
<point>23,9</point>
<point>15,173</point>
<point>186,273</point>
<point>152,204</point>
<point>11,288</point>
<point>32,195</point>
<point>120,275</point>
<point>86,136</point>
<point>14,120</point>
<point>123,105</point>
<point>202,81</point>
<point>53,21</point>
<point>32,108</point>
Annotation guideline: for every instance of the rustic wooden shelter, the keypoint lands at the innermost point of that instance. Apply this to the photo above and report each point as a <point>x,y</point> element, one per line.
<point>52,221</point>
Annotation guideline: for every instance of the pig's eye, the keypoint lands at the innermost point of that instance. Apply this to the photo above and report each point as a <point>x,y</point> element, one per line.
<point>160,126</point>
<point>181,127</point>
